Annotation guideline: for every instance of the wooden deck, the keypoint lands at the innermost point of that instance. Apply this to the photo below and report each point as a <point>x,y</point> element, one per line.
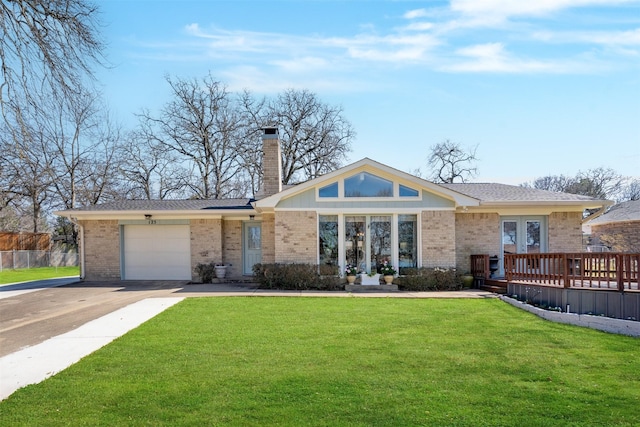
<point>606,271</point>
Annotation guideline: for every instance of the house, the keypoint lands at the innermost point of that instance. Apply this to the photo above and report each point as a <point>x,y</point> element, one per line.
<point>362,214</point>
<point>617,230</point>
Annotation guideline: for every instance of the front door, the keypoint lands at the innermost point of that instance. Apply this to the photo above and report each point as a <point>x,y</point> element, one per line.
<point>252,246</point>
<point>367,241</point>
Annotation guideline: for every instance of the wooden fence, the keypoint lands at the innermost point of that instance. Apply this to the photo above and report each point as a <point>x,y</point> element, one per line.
<point>25,241</point>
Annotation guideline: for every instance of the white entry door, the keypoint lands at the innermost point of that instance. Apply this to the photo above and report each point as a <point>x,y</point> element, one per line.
<point>252,246</point>
<point>157,252</point>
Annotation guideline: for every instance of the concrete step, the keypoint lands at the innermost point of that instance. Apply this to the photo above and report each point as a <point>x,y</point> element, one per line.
<point>370,288</point>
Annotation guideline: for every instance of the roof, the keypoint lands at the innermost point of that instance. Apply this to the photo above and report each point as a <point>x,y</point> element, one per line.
<point>164,205</point>
<point>467,195</point>
<point>492,193</point>
<point>622,212</point>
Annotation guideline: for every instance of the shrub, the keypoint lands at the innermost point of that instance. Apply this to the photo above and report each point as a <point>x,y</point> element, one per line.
<point>206,271</point>
<point>429,279</point>
<point>297,277</point>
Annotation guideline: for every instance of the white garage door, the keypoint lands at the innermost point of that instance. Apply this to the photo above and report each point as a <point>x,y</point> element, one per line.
<point>157,252</point>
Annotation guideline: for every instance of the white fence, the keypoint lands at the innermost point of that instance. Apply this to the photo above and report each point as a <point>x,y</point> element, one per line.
<point>34,259</point>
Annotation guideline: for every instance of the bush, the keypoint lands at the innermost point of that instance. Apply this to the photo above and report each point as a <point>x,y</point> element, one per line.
<point>206,272</point>
<point>297,277</point>
<point>429,279</point>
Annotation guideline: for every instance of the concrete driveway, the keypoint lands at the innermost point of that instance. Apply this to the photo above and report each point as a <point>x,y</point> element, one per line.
<point>28,318</point>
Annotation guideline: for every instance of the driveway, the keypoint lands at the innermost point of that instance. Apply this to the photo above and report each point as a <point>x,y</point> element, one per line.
<point>29,318</point>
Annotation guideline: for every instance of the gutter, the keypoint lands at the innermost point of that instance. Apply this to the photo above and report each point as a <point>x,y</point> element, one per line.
<point>74,221</point>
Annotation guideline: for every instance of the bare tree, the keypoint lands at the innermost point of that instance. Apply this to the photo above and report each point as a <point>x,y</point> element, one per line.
<point>600,183</point>
<point>100,170</point>
<point>631,191</point>
<point>315,136</point>
<point>150,170</point>
<point>25,167</point>
<point>203,126</point>
<point>558,183</point>
<point>449,161</point>
<point>47,46</point>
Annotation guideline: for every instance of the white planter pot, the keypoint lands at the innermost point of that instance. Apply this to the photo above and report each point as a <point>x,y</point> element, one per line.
<point>370,280</point>
<point>221,271</point>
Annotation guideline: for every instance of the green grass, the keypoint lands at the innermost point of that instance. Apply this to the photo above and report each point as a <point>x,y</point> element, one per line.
<point>344,362</point>
<point>29,274</point>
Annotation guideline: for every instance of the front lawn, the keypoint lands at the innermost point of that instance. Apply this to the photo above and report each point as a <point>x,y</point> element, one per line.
<point>250,361</point>
<point>30,274</point>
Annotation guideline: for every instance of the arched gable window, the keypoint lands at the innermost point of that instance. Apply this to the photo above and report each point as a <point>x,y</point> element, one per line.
<point>365,184</point>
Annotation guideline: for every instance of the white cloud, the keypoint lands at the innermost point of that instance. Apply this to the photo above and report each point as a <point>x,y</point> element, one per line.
<point>298,65</point>
<point>416,13</point>
<point>422,43</point>
<point>419,26</point>
<point>493,57</point>
<point>619,38</point>
<point>506,8</point>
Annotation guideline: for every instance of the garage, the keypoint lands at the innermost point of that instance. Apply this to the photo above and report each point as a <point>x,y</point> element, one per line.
<point>157,252</point>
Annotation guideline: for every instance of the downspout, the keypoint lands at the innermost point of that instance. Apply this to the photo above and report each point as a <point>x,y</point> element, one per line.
<point>81,254</point>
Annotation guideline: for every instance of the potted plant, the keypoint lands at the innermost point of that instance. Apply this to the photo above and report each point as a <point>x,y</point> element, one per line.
<point>467,280</point>
<point>387,272</point>
<point>351,272</point>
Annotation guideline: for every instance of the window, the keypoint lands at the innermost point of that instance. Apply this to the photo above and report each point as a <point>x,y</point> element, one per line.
<point>407,241</point>
<point>328,239</point>
<point>330,190</point>
<point>408,192</point>
<point>367,185</point>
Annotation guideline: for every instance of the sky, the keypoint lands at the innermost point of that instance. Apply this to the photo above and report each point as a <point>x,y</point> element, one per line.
<point>538,88</point>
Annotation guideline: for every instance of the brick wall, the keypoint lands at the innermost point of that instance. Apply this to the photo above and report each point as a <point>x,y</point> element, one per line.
<point>476,233</point>
<point>268,238</point>
<point>206,243</point>
<point>438,239</point>
<point>101,250</point>
<point>232,231</point>
<point>271,165</point>
<point>295,237</point>
<point>565,232</point>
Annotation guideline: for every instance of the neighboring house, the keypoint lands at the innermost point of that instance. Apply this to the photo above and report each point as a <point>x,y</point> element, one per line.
<point>362,214</point>
<point>618,229</point>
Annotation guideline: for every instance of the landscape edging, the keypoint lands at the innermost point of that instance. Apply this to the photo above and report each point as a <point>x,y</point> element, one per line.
<point>606,324</point>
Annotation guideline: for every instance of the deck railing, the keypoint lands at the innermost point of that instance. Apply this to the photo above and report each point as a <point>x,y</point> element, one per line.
<point>607,270</point>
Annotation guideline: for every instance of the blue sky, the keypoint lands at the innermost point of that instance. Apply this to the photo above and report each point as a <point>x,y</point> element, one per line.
<point>542,87</point>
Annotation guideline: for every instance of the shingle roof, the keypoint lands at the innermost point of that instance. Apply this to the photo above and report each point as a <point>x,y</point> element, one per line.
<point>622,212</point>
<point>169,205</point>
<point>491,192</point>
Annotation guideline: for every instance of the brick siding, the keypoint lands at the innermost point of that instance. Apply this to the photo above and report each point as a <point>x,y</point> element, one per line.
<point>268,238</point>
<point>565,232</point>
<point>232,245</point>
<point>438,239</point>
<point>476,233</point>
<point>296,238</point>
<point>206,243</point>
<point>102,250</point>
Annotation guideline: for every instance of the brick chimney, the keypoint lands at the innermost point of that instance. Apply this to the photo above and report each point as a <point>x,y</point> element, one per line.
<point>271,162</point>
